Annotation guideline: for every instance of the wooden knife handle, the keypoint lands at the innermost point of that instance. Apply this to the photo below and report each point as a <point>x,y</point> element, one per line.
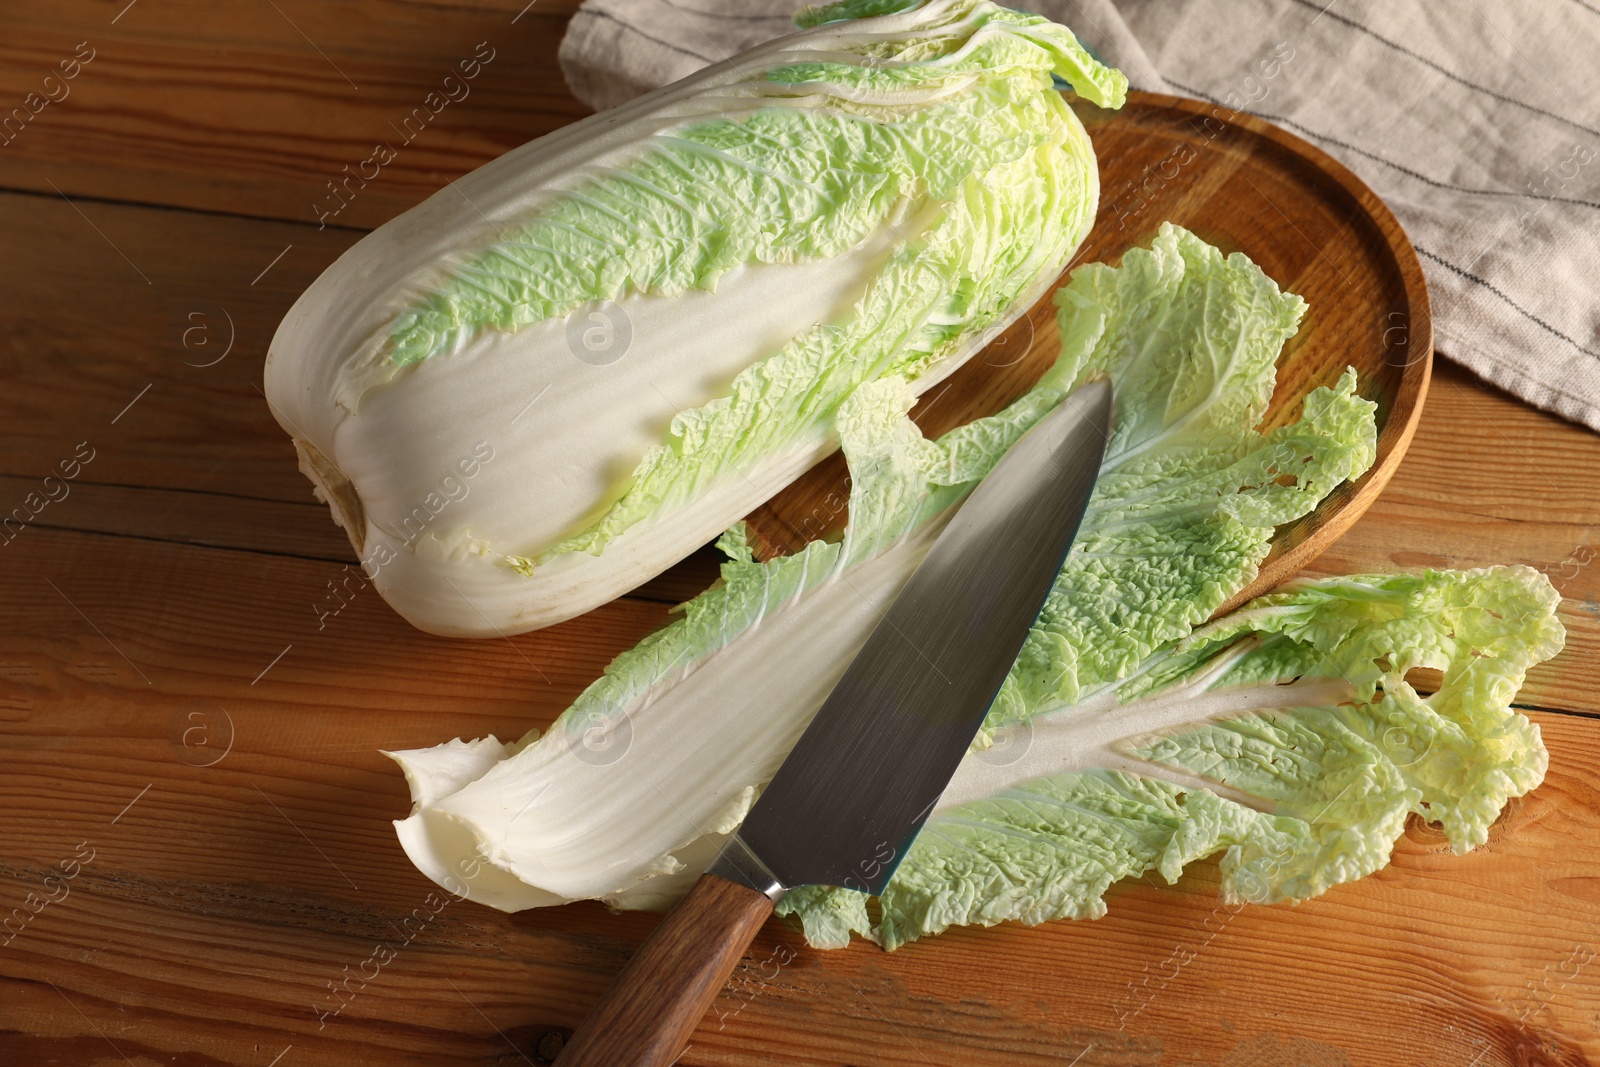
<point>651,1009</point>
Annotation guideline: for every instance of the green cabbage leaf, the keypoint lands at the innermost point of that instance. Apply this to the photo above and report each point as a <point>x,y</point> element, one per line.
<point>1284,735</point>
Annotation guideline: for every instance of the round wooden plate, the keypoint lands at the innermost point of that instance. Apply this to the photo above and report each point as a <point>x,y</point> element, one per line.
<point>1247,186</point>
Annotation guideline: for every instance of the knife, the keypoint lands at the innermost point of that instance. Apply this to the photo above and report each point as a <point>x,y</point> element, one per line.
<point>848,801</point>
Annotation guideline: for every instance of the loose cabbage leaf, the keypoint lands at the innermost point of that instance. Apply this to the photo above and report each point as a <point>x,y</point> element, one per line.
<point>1189,494</point>
<point>1284,735</point>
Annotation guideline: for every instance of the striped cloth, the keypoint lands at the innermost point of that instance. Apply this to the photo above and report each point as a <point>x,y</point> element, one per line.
<point>1478,123</point>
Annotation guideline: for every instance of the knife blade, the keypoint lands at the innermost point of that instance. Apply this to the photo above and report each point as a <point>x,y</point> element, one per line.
<point>850,797</point>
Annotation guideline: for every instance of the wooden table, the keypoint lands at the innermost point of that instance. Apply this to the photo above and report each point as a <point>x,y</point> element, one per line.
<point>191,728</point>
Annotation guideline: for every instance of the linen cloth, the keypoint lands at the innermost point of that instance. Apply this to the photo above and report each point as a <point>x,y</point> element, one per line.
<point>1478,124</point>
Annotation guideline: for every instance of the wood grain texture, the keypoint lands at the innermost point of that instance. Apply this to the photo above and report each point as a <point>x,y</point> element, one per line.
<point>160,628</point>
<point>111,305</point>
<point>646,1017</point>
<point>253,107</point>
<point>1244,186</point>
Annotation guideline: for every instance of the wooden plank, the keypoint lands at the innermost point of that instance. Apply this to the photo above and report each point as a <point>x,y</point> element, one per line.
<point>119,343</point>
<point>254,107</point>
<point>222,903</point>
<point>215,519</point>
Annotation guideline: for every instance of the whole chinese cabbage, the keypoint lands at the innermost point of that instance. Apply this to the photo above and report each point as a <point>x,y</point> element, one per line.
<point>1126,739</point>
<point>567,370</point>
